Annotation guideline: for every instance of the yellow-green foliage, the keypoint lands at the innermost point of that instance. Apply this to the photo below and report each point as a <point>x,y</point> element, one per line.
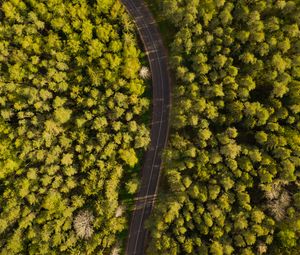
<point>234,154</point>
<point>71,101</point>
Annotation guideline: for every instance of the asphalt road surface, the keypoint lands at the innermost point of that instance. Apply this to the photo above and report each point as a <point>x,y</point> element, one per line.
<point>161,96</point>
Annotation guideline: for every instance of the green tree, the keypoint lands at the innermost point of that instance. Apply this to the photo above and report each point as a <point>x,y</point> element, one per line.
<point>62,115</point>
<point>132,186</point>
<point>216,248</point>
<point>287,238</point>
<point>129,157</point>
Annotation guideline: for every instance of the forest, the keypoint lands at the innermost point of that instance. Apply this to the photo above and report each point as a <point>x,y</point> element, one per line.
<point>73,105</point>
<point>231,170</point>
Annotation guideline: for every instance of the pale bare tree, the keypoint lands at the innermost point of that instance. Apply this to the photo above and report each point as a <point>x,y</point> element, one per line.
<point>285,199</point>
<point>116,249</point>
<point>119,211</point>
<point>83,224</point>
<point>273,191</point>
<point>277,210</point>
<point>278,199</point>
<point>262,248</point>
<point>145,72</point>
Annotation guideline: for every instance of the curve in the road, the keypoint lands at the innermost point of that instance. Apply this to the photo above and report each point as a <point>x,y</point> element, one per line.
<point>161,96</point>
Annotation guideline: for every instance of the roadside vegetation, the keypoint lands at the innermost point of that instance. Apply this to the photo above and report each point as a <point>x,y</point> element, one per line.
<point>233,160</point>
<point>72,125</point>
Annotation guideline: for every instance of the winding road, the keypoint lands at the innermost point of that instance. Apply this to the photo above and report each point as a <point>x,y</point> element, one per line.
<point>161,96</point>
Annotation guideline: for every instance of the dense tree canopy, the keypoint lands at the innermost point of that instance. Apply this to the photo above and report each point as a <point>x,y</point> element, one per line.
<point>232,166</point>
<point>71,102</point>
